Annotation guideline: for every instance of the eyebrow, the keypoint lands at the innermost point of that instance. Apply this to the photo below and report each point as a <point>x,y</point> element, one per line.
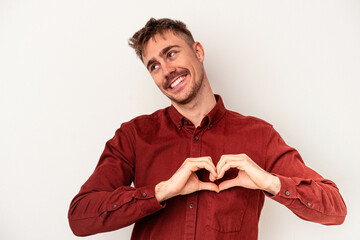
<point>162,53</point>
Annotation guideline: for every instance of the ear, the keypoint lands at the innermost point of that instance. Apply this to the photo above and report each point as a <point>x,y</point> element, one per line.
<point>199,51</point>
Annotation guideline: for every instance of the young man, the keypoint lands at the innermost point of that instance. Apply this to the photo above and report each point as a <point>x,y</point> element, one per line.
<point>199,170</point>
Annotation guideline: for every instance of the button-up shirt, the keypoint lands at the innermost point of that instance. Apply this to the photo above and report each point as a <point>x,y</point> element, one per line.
<point>150,148</point>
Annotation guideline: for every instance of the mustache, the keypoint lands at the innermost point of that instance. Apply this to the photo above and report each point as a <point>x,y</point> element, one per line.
<point>170,77</point>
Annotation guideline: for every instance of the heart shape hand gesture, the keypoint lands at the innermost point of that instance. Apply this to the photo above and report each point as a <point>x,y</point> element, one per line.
<point>185,181</point>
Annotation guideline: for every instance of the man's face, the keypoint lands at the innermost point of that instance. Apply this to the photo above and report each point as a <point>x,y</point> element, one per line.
<point>175,66</point>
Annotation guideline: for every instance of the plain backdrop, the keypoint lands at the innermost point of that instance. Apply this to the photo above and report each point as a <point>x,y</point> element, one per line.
<point>68,80</point>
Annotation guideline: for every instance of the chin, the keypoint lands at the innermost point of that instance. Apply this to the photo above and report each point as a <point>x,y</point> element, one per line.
<point>183,100</point>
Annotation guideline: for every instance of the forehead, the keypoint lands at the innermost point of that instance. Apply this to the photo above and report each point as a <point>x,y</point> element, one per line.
<point>160,41</point>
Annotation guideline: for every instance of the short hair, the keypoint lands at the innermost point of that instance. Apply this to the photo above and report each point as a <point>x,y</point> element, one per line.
<point>158,26</point>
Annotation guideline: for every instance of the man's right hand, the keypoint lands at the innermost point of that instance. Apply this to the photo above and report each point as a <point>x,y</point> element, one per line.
<point>185,181</point>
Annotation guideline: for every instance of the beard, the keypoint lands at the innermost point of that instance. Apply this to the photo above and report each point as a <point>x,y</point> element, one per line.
<point>192,92</point>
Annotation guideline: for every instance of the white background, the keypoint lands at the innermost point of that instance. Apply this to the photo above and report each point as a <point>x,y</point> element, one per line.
<point>68,80</point>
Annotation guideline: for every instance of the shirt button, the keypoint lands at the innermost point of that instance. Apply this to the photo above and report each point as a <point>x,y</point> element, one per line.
<point>309,204</point>
<point>287,193</point>
<point>144,194</point>
<point>115,206</point>
<point>210,126</point>
<point>191,206</point>
<point>196,138</point>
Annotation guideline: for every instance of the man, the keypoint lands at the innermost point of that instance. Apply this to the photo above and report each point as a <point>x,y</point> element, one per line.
<point>199,170</point>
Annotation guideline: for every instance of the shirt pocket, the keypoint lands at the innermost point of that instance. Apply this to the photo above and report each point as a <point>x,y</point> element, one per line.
<point>227,208</point>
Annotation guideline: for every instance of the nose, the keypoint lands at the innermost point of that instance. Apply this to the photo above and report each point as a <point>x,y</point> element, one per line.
<point>167,69</point>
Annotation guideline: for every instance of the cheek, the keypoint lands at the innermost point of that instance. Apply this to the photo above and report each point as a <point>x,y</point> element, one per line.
<point>157,80</point>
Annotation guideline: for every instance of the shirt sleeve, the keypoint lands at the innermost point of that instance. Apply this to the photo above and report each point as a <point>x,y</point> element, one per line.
<point>305,192</point>
<point>106,201</point>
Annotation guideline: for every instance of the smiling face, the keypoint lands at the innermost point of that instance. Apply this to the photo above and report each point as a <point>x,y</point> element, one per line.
<point>176,67</point>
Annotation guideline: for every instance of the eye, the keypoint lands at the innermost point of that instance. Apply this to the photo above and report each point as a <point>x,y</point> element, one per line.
<point>154,67</point>
<point>171,54</point>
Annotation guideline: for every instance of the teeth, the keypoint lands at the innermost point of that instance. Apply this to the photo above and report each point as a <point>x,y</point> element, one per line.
<point>179,80</point>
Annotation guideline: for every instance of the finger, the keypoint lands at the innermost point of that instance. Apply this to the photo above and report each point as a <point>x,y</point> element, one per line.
<point>209,160</point>
<point>222,170</point>
<point>223,160</point>
<point>211,168</point>
<point>227,166</point>
<point>221,163</point>
<point>197,165</point>
<point>211,177</point>
<point>208,186</point>
<point>228,184</point>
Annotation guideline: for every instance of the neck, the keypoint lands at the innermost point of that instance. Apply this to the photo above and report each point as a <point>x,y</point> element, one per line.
<point>201,105</point>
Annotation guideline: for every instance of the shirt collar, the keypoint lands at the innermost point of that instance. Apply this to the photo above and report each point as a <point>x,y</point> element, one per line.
<point>210,119</point>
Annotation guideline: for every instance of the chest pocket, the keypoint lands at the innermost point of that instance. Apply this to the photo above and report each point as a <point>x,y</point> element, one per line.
<point>227,208</point>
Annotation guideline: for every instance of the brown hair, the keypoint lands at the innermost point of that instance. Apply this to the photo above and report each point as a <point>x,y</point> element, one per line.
<point>158,26</point>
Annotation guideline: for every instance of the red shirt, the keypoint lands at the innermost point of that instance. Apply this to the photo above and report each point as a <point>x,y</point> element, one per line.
<point>150,148</point>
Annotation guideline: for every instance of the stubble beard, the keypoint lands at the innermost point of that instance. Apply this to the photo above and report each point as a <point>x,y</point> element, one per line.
<point>191,94</point>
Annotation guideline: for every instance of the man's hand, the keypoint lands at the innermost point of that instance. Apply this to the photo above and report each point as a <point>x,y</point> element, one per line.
<point>250,174</point>
<point>184,181</point>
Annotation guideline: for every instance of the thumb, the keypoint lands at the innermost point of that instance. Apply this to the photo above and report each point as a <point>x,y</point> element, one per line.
<point>208,186</point>
<point>228,184</point>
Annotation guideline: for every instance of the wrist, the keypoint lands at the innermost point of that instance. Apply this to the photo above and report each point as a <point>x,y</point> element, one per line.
<point>161,192</point>
<point>275,186</point>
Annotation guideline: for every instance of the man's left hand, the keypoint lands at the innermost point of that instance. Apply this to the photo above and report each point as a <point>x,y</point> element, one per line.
<point>250,174</point>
